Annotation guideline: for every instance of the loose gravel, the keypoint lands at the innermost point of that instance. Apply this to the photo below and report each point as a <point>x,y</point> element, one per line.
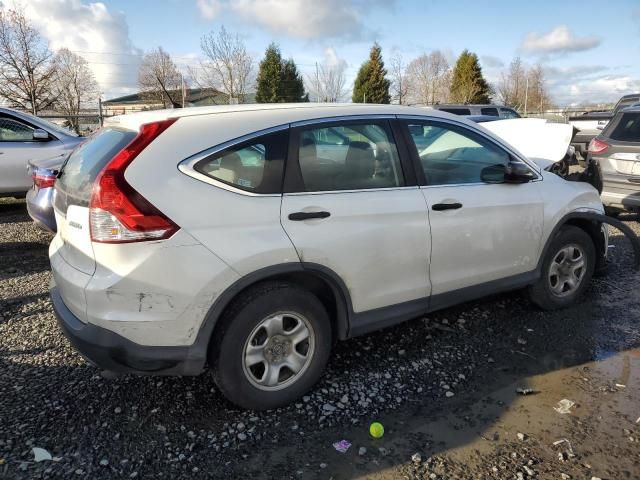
<point>164,427</point>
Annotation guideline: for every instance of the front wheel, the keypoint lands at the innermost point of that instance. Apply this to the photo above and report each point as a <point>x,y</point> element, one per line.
<point>272,346</point>
<point>566,269</point>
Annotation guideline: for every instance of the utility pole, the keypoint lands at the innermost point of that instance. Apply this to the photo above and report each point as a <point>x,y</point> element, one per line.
<point>183,90</point>
<point>100,117</point>
<point>317,84</point>
<point>526,96</point>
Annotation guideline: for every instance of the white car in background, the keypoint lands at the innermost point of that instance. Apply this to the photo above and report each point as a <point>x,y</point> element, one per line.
<point>251,237</point>
<point>25,138</point>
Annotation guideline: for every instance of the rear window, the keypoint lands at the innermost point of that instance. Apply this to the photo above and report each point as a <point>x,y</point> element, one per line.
<point>457,111</point>
<point>75,182</point>
<point>627,129</point>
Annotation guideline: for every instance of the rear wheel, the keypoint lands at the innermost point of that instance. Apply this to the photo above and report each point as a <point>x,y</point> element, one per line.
<point>566,269</point>
<point>272,346</point>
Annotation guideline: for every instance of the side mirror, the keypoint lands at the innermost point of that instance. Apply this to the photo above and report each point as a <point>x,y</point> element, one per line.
<point>518,172</point>
<point>493,173</point>
<point>514,172</point>
<point>39,134</point>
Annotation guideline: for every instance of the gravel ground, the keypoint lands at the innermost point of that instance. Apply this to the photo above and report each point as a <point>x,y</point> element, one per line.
<point>443,387</point>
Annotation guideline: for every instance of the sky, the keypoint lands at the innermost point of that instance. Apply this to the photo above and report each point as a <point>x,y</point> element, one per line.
<point>589,49</point>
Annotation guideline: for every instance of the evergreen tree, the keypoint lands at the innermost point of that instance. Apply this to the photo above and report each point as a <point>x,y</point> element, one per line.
<point>291,84</point>
<point>371,84</point>
<point>269,76</point>
<point>468,85</point>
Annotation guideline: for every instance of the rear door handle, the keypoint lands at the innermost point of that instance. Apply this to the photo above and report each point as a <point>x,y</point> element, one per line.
<point>446,206</point>
<point>299,216</point>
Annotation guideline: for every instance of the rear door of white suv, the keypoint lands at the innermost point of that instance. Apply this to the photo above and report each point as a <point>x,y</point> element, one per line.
<point>351,205</point>
<point>480,232</point>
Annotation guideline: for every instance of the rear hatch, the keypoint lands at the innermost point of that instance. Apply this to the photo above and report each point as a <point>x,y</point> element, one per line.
<point>620,160</point>
<point>73,190</point>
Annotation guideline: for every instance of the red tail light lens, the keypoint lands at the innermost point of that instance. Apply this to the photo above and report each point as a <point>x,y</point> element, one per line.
<point>118,213</point>
<point>43,178</point>
<point>597,146</point>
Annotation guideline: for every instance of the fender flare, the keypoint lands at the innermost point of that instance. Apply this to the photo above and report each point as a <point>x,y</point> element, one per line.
<point>601,218</point>
<point>344,308</point>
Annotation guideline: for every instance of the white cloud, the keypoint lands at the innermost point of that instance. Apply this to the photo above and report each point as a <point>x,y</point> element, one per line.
<point>558,40</point>
<point>209,8</point>
<point>604,89</point>
<point>300,18</point>
<point>92,31</point>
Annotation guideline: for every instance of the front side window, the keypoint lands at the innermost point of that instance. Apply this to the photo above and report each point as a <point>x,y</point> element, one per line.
<point>255,165</point>
<point>349,157</point>
<point>13,131</point>
<point>627,129</point>
<point>451,155</point>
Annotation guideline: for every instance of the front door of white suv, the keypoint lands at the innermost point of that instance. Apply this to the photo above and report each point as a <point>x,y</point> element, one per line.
<point>480,232</point>
<point>348,208</point>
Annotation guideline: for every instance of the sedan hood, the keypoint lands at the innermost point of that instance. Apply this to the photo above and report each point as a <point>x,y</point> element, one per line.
<point>537,139</point>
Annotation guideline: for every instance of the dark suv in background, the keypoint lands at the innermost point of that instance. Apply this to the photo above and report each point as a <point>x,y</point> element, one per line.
<point>477,110</point>
<point>617,150</point>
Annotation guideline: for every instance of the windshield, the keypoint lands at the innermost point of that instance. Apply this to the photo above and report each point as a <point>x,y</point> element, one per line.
<point>49,125</point>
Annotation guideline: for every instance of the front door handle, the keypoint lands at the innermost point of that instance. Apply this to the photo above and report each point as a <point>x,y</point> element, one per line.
<point>438,207</point>
<point>299,216</point>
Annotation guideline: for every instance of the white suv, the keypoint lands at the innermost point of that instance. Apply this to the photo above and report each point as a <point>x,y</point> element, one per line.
<point>253,237</point>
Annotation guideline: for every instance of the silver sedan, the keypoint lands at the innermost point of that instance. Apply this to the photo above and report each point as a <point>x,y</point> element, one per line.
<point>25,138</point>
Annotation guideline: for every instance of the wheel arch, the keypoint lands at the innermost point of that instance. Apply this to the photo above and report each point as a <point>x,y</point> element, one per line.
<point>318,279</point>
<point>590,222</point>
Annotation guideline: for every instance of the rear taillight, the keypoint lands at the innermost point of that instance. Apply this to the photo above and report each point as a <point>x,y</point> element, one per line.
<point>117,212</point>
<point>597,146</point>
<point>43,178</point>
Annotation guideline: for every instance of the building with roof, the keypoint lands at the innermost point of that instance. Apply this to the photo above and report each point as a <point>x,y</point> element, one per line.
<point>137,102</point>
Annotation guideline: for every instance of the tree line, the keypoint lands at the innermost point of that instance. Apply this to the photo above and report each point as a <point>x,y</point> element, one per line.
<point>34,79</point>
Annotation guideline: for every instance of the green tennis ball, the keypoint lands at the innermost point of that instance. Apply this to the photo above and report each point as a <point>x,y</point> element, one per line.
<point>376,430</point>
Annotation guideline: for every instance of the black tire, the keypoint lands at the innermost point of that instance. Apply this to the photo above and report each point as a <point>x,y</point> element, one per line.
<point>612,212</point>
<point>541,292</point>
<point>244,315</point>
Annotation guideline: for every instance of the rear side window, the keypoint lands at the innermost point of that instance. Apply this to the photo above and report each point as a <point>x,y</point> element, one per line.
<point>489,111</point>
<point>508,113</point>
<point>348,156</point>
<point>456,111</point>
<point>75,182</point>
<point>627,129</point>
<point>255,165</point>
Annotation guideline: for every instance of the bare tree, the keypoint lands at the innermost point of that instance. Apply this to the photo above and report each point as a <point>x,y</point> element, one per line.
<point>511,89</point>
<point>327,83</point>
<point>521,87</point>
<point>228,66</point>
<point>399,83</point>
<point>159,78</point>
<point>74,87</point>
<point>429,78</point>
<point>26,69</point>
<point>538,96</point>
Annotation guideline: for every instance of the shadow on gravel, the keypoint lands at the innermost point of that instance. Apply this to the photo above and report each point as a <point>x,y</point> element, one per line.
<point>151,427</point>
<point>154,422</point>
<point>34,304</point>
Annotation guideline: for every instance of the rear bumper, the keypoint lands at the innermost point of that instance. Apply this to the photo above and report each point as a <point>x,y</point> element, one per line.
<point>40,208</point>
<point>110,351</point>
